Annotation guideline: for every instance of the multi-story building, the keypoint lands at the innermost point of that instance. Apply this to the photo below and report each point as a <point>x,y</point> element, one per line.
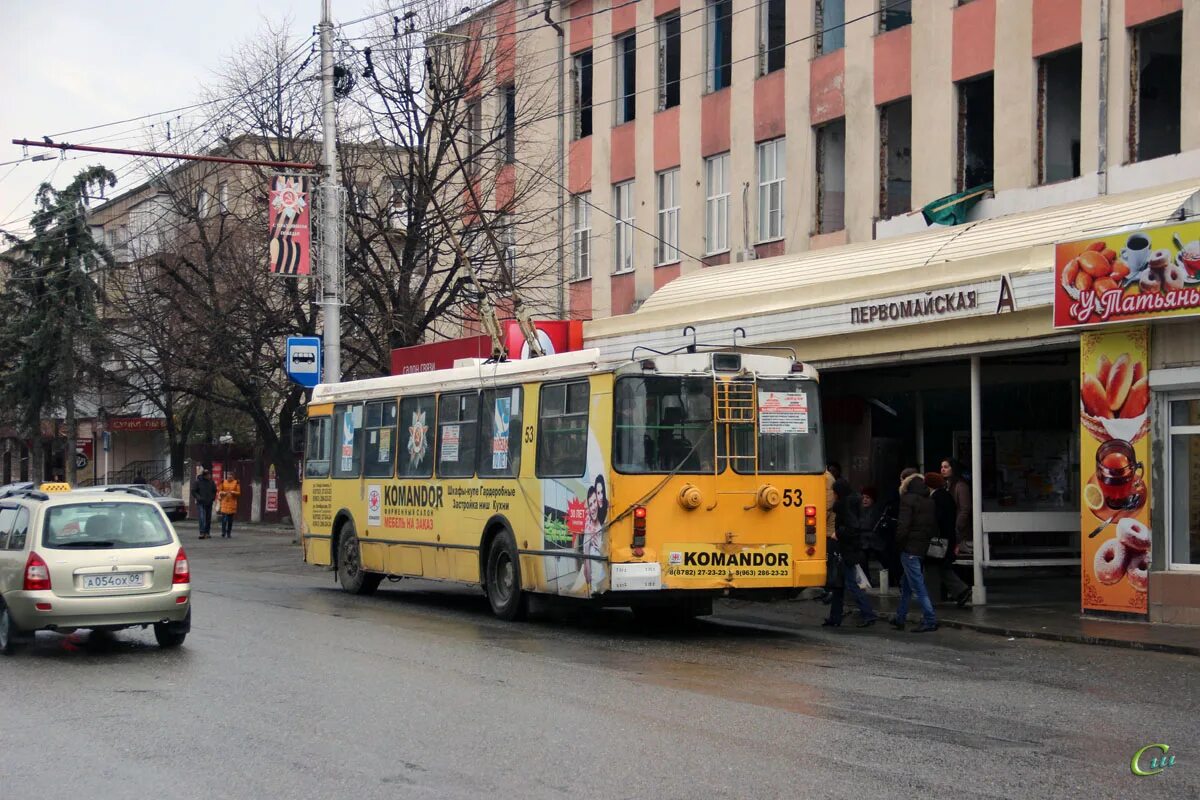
<point>795,145</point>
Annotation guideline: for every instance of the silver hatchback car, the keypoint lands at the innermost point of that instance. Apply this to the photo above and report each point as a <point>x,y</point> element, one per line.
<point>71,560</point>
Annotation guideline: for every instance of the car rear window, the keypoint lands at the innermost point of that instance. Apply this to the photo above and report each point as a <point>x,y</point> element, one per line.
<point>105,526</point>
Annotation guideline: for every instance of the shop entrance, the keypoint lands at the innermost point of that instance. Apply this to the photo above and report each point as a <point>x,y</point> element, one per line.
<point>881,419</point>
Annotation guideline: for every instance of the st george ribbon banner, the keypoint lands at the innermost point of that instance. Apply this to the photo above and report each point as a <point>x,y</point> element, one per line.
<point>288,215</point>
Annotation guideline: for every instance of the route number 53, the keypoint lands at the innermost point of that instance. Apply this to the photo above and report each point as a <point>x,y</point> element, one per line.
<point>793,498</point>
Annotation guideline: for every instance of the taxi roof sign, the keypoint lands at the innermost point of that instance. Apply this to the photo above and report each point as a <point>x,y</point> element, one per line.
<point>50,488</point>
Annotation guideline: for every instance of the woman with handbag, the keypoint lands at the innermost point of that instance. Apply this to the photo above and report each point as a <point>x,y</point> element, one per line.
<point>941,550</point>
<point>846,546</point>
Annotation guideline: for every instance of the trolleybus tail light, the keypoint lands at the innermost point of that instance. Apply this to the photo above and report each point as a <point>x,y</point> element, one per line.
<point>810,525</point>
<point>37,574</point>
<point>639,526</point>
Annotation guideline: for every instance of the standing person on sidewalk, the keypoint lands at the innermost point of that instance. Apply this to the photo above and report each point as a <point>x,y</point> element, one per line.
<point>205,492</point>
<point>960,489</point>
<point>229,491</point>
<point>944,509</point>
<point>916,526</point>
<point>847,543</point>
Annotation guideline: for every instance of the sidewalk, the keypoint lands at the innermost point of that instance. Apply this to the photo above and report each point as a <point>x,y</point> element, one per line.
<point>1043,614</point>
<point>189,529</point>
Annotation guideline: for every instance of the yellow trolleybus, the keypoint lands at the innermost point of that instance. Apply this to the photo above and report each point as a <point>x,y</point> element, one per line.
<point>657,483</point>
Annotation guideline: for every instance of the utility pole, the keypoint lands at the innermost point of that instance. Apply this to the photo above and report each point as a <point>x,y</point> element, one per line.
<point>331,210</point>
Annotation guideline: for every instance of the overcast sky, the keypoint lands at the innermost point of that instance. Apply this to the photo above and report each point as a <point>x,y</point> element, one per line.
<point>71,64</point>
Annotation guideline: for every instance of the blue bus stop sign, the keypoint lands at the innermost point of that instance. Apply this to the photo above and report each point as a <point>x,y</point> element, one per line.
<point>303,360</point>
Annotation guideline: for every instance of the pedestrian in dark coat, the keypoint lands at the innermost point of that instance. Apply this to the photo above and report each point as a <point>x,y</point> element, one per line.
<point>916,526</point>
<point>944,509</point>
<point>960,489</point>
<point>849,550</point>
<point>204,490</point>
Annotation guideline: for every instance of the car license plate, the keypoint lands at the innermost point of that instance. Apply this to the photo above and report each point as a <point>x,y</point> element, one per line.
<point>114,580</point>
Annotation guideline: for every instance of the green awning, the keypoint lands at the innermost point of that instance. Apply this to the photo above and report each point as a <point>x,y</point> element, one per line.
<point>952,209</point>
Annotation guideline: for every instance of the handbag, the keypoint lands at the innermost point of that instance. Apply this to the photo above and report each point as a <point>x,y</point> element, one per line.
<point>861,578</point>
<point>937,548</point>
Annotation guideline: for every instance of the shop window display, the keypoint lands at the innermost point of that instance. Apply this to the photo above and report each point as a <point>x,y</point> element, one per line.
<point>1185,483</point>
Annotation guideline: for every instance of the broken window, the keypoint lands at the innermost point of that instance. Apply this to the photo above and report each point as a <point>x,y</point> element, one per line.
<point>1157,58</point>
<point>772,35</point>
<point>975,132</point>
<point>626,73</point>
<point>583,94</point>
<point>830,25</point>
<point>894,14</point>
<point>831,176</point>
<point>720,44</point>
<point>895,158</point>
<point>668,61</point>
<point>1059,109</point>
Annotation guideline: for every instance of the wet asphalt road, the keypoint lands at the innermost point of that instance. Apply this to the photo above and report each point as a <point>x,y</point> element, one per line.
<point>288,688</point>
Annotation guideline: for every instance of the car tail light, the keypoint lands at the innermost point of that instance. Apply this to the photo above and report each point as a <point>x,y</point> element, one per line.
<point>37,574</point>
<point>183,572</point>
<point>639,526</point>
<point>810,525</point>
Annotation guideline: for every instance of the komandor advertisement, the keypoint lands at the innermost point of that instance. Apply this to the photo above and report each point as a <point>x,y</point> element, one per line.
<point>1114,400</point>
<point>1143,274</point>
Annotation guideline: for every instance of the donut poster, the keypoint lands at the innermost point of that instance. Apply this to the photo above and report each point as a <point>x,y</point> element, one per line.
<point>1147,273</point>
<point>1114,414</point>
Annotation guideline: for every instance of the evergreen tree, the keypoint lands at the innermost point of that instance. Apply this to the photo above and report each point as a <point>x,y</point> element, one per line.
<point>48,311</point>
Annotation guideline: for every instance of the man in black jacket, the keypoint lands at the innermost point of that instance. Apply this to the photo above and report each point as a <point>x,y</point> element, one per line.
<point>205,492</point>
<point>916,526</point>
<point>847,544</point>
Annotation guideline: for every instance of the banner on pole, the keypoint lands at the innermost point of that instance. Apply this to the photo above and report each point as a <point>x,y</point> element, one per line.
<point>288,218</point>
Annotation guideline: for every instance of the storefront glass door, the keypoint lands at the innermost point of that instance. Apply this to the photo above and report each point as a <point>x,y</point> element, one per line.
<point>1185,483</point>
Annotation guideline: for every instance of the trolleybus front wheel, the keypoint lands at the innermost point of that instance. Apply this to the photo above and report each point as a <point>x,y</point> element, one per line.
<point>349,567</point>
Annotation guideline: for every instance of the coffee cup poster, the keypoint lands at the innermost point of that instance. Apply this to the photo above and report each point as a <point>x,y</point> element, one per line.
<point>1146,273</point>
<point>1114,413</point>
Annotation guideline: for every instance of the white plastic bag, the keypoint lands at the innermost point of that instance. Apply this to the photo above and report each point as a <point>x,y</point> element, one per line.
<point>860,577</point>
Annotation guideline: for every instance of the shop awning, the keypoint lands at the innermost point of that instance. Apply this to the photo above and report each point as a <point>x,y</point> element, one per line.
<point>954,273</point>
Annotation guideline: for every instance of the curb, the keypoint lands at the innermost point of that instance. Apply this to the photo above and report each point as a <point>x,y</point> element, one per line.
<point>1072,638</point>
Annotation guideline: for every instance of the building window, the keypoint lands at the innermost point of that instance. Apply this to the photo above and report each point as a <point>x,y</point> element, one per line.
<point>831,176</point>
<point>719,44</point>
<point>975,132</point>
<point>203,203</point>
<point>506,234</point>
<point>830,25</point>
<point>1184,501</point>
<point>510,124</point>
<point>474,123</point>
<point>1157,89</point>
<point>626,73</point>
<point>772,35</point>
<point>668,61</point>
<point>668,216</point>
<point>894,14</point>
<point>581,236</point>
<point>623,211</point>
<point>583,94</point>
<point>223,197</point>
<point>772,170</point>
<point>895,159</point>
<point>716,204</point>
<point>1059,110</point>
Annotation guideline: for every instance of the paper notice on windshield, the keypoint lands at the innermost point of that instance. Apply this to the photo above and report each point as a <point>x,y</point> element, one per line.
<point>782,412</point>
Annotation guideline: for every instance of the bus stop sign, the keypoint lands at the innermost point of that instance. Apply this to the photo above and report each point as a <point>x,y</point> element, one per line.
<point>303,360</point>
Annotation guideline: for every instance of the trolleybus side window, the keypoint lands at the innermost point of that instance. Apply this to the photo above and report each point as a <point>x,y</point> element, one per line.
<point>379,432</point>
<point>789,427</point>
<point>316,451</point>
<point>500,433</point>
<point>562,430</point>
<point>663,424</point>
<point>457,423</point>
<point>347,441</point>
<point>416,435</point>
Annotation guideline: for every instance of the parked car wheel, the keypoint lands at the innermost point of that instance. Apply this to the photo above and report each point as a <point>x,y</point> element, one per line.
<point>10,634</point>
<point>172,634</point>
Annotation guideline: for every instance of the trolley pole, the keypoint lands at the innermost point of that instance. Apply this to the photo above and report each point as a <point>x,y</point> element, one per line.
<point>331,211</point>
